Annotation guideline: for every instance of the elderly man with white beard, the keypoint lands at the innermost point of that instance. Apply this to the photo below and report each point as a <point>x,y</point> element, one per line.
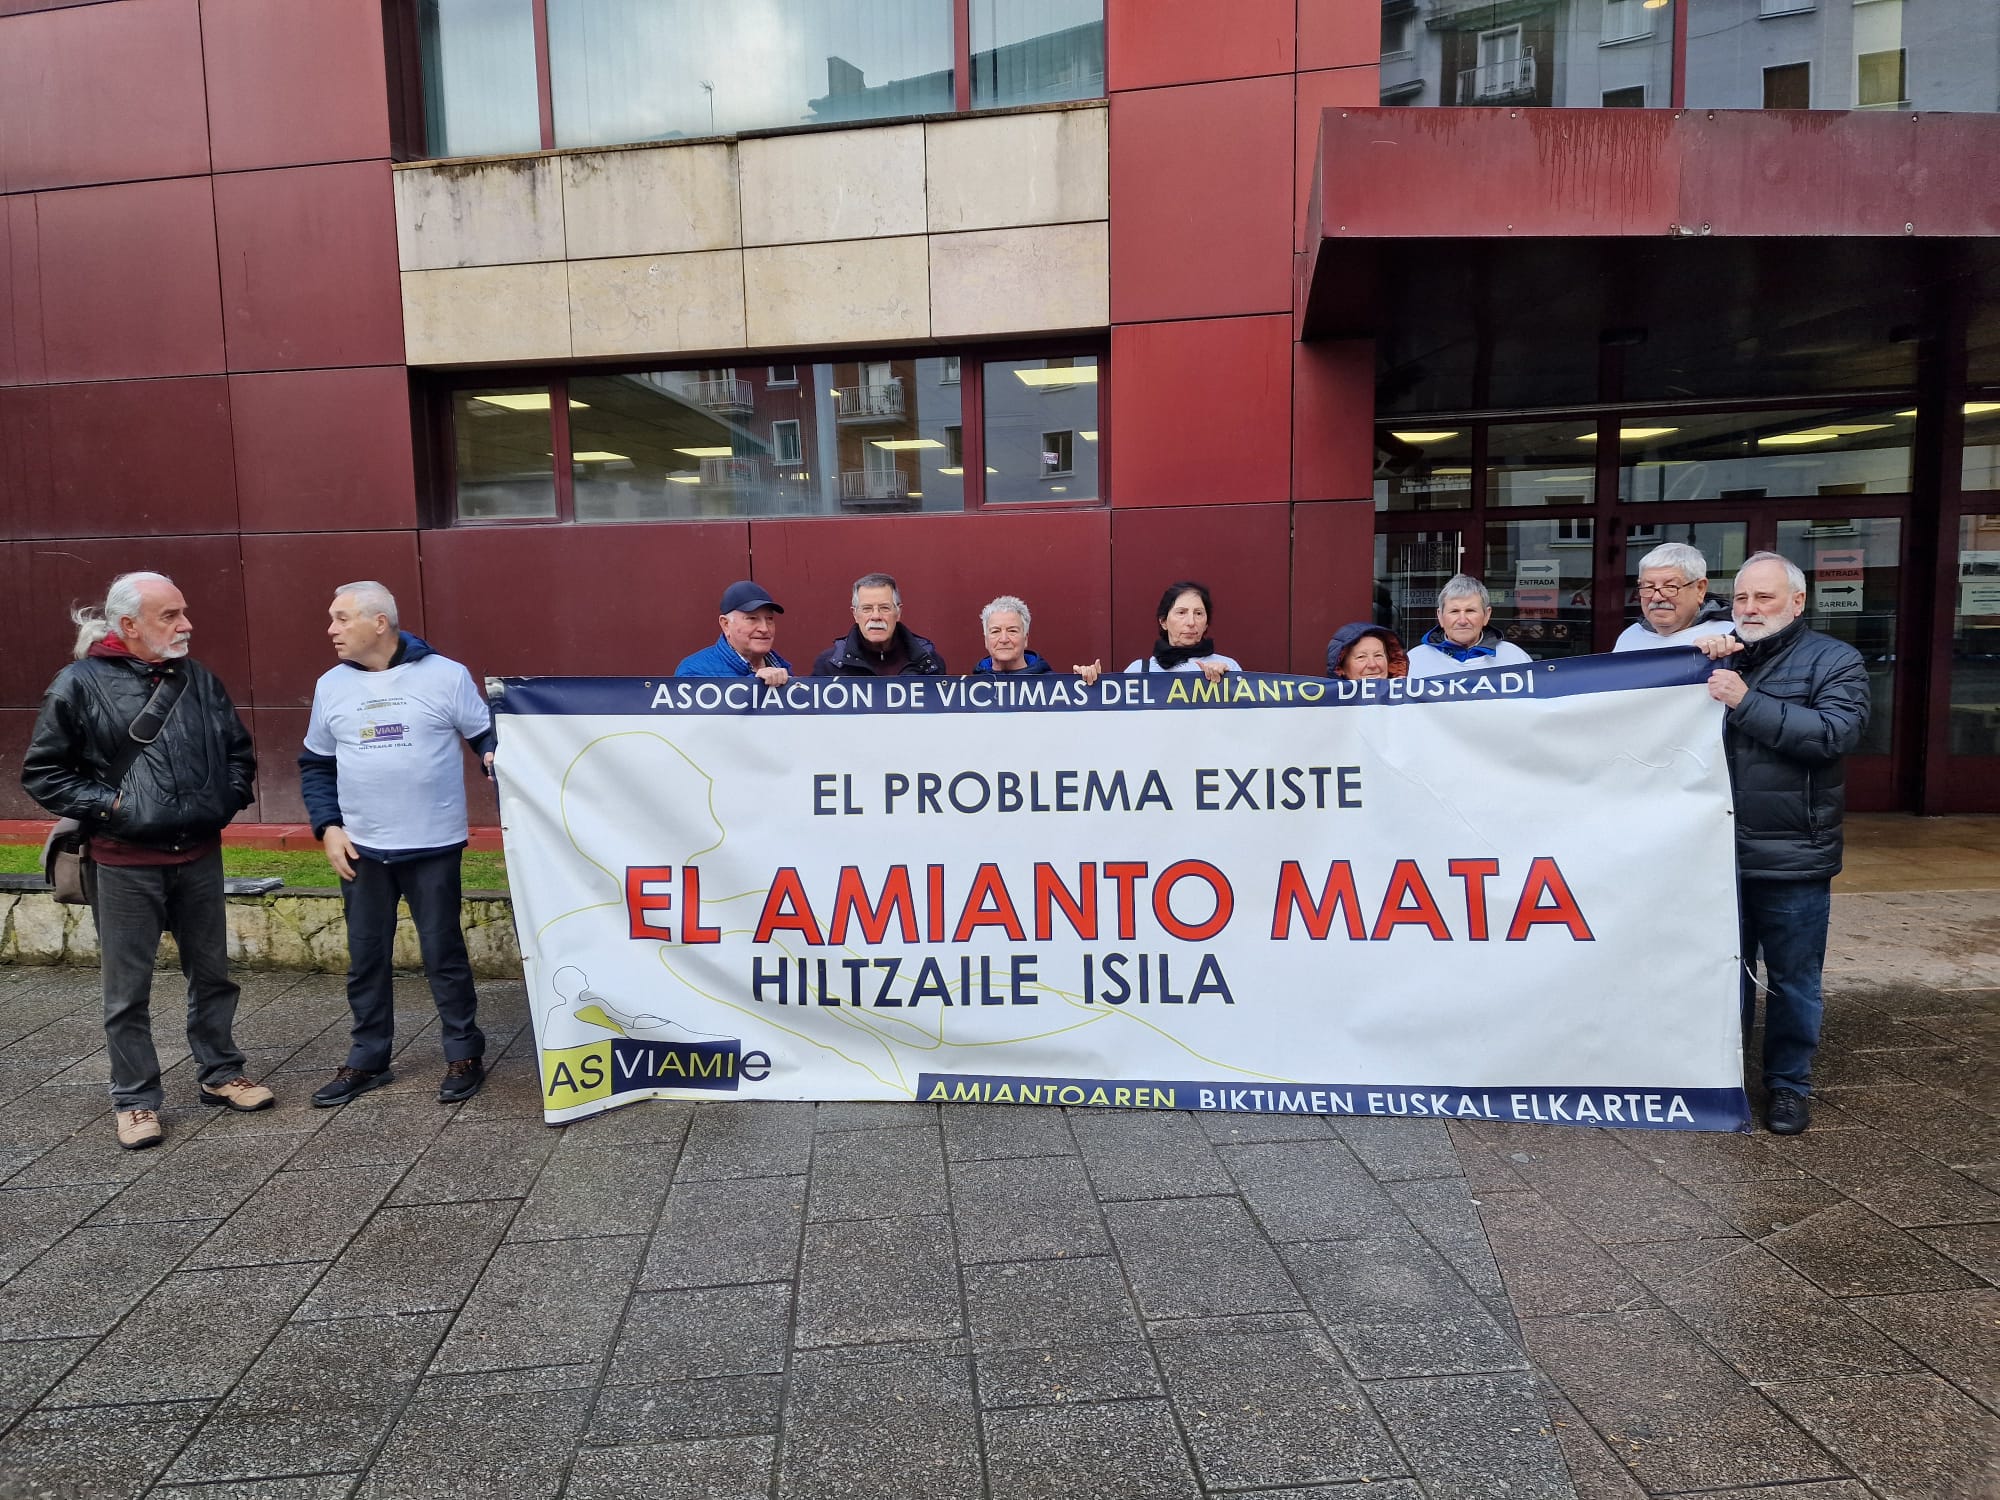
<point>1797,704</point>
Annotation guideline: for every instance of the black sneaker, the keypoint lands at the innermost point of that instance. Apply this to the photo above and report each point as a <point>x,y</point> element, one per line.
<point>1786,1114</point>
<point>461,1080</point>
<point>346,1083</point>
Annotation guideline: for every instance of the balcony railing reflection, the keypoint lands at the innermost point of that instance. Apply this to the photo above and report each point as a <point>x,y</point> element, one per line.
<point>737,473</point>
<point>869,403</point>
<point>726,396</point>
<point>1496,82</point>
<point>876,488</point>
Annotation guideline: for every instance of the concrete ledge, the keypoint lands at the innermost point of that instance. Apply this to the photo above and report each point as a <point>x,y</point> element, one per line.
<point>291,929</point>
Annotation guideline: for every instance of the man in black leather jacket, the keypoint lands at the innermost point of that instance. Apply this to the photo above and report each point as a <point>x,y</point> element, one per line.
<point>1798,702</point>
<point>155,832</point>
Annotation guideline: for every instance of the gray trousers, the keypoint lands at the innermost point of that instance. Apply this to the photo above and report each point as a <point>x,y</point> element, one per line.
<point>135,904</point>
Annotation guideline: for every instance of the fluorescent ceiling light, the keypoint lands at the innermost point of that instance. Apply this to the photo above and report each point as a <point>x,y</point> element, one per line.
<point>1060,375</point>
<point>954,472</point>
<point>1570,478</point>
<point>1090,436</point>
<point>1632,434</point>
<point>1796,439</point>
<point>1849,429</point>
<point>1058,489</point>
<point>1451,471</point>
<point>526,401</point>
<point>903,445</point>
<point>1422,437</point>
<point>1981,408</point>
<point>707,452</point>
<point>915,494</point>
<point>595,457</point>
<point>683,479</point>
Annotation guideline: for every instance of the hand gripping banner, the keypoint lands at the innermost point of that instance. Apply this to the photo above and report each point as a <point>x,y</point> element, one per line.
<point>1505,895</point>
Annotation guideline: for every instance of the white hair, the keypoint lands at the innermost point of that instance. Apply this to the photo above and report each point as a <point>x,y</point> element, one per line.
<point>1794,579</point>
<point>122,601</point>
<point>874,581</point>
<point>1686,560</point>
<point>1464,586</point>
<point>1003,605</point>
<point>370,598</point>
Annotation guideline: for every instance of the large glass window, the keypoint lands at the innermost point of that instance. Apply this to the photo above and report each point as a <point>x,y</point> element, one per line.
<point>1854,571</point>
<point>1981,470</point>
<point>1036,51</point>
<point>480,92</point>
<point>1423,466</point>
<point>1541,463</point>
<point>841,436</point>
<point>1765,455</point>
<point>1041,430</point>
<point>1539,574</point>
<point>1410,568</point>
<point>1975,639</point>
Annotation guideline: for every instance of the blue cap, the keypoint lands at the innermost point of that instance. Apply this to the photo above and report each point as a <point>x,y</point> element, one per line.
<point>747,596</point>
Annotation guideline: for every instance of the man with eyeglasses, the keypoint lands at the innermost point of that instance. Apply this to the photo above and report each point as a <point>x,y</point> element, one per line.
<point>880,644</point>
<point>1674,607</point>
<point>1797,704</point>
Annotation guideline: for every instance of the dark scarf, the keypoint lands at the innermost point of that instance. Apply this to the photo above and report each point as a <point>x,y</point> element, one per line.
<point>1170,657</point>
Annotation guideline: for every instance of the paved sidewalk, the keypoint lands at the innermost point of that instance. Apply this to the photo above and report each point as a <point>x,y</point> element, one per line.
<point>873,1301</point>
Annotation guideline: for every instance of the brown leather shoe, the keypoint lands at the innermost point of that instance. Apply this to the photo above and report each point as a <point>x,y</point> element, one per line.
<point>138,1128</point>
<point>238,1093</point>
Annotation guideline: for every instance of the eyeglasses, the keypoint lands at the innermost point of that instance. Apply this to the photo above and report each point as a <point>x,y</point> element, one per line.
<point>1665,590</point>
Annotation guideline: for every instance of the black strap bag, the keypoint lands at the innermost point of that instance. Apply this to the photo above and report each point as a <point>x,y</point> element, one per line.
<point>66,861</point>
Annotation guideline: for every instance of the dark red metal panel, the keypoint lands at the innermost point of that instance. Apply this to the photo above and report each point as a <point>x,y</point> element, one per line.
<point>101,93</point>
<point>290,84</point>
<point>1317,93</point>
<point>1333,568</point>
<point>1058,562</point>
<point>324,449</point>
<point>21,680</point>
<point>288,582</point>
<point>1202,411</point>
<point>20,293</point>
<point>1333,427</point>
<point>128,281</point>
<point>280,733</point>
<point>1153,42</point>
<point>52,576</point>
<point>15,727</point>
<point>309,272</point>
<point>598,600</point>
<point>1338,34</point>
<point>1240,551</point>
<point>134,458</point>
<point>1202,176</point>
<point>24,457</point>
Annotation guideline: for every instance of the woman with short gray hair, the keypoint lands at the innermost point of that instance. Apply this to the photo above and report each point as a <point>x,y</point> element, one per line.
<point>1463,640</point>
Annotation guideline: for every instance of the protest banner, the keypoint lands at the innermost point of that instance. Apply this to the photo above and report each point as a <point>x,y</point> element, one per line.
<point>1503,895</point>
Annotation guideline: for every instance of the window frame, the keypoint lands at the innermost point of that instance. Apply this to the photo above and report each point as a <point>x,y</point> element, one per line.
<point>439,509</point>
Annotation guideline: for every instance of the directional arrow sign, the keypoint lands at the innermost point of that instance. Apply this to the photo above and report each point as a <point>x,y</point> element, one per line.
<point>1837,599</point>
<point>1838,565</point>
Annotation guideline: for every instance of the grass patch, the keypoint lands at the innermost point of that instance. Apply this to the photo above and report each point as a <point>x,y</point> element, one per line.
<point>303,867</point>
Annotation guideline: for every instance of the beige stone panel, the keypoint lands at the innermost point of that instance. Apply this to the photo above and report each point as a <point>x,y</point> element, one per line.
<point>840,293</point>
<point>655,200</point>
<point>991,281</point>
<point>507,211</point>
<point>656,304</point>
<point>998,171</point>
<point>486,315</point>
<point>832,185</point>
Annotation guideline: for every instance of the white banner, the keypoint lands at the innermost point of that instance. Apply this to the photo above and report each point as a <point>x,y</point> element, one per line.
<point>1506,895</point>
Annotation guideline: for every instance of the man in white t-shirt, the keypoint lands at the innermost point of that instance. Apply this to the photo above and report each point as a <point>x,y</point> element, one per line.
<point>1674,607</point>
<point>383,780</point>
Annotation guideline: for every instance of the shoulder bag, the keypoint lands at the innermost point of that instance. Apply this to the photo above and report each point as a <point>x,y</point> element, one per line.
<point>66,861</point>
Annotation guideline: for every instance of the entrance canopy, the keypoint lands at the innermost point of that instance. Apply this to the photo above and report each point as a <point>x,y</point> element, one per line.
<point>1496,256</point>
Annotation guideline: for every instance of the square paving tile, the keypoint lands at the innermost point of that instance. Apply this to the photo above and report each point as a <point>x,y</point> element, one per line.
<point>878,1173</point>
<point>103,1452</point>
<point>544,1302</point>
<point>863,1426</point>
<point>304,1216</point>
<point>1956,1333</point>
<point>1974,1246</point>
<point>1127,1450</point>
<point>92,1278</point>
<point>862,1114</point>
<point>696,1334</point>
<point>990,1132</point>
<point>1758,1209</point>
<point>1549,1265</point>
<point>491,1159</point>
<point>204,1179</point>
<point>1146,1154</point>
<point>1396,1309</point>
<point>1477,1435</point>
<point>595,1190</point>
<point>700,1469</point>
<point>1910,1437</point>
<point>1850,1252</point>
<point>1035,1304</point>
<point>1025,1208</point>
<point>878,1281</point>
<point>1272,1408</point>
<point>1066,1374</point>
<point>28,1370</point>
<point>423,1258</point>
<point>479,1446</point>
<point>32,1219</point>
<point>316,1487</point>
<point>716,1233</point>
<point>1311,1190</point>
<point>1236,1128</point>
<point>1400,1150</point>
<point>667,1410</point>
<point>1198,1257</point>
<point>1445,1212</point>
<point>750,1138</point>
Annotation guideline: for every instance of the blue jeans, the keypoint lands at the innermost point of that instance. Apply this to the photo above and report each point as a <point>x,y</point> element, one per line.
<point>1786,920</point>
<point>431,886</point>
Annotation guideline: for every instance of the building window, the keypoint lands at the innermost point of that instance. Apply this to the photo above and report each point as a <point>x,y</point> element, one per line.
<point>1632,98</point>
<point>1788,87</point>
<point>848,435</point>
<point>784,375</point>
<point>948,370</point>
<point>1880,78</point>
<point>623,71</point>
<point>1506,69</point>
<point>1625,21</point>
<point>1785,7</point>
<point>1035,408</point>
<point>1396,32</point>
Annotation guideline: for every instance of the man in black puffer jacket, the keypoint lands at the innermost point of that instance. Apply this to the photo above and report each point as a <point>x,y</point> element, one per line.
<point>1798,702</point>
<point>155,831</point>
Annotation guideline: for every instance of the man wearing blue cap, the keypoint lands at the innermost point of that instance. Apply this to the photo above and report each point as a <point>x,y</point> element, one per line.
<point>747,646</point>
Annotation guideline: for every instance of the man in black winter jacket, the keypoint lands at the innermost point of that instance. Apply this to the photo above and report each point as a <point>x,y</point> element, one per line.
<point>1798,702</point>
<point>134,697</point>
<point>879,645</point>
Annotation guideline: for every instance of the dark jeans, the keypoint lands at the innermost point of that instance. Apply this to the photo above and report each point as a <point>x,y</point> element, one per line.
<point>1786,920</point>
<point>135,904</point>
<point>431,887</point>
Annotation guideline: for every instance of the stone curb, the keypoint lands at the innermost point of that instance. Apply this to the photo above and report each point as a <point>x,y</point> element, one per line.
<point>302,929</point>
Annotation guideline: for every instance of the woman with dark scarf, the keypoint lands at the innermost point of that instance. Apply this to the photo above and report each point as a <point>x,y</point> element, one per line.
<point>1184,644</point>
